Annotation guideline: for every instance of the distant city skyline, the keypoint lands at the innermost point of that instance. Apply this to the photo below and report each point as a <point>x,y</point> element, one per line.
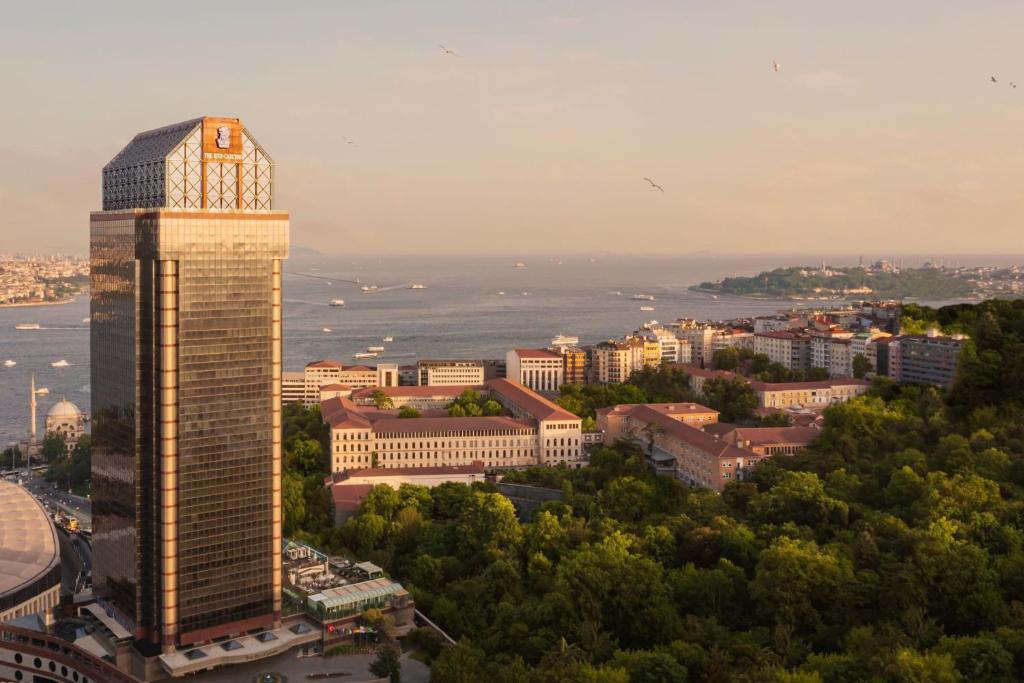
<point>881,131</point>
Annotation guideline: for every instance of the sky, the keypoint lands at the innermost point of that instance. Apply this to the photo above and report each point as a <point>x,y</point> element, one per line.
<point>881,131</point>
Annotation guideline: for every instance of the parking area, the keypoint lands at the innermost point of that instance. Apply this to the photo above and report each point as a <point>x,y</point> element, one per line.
<point>295,669</point>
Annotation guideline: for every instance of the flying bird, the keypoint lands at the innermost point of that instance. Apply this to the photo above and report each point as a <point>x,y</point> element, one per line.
<point>654,184</point>
<point>775,66</point>
<point>1012,84</point>
<point>447,51</point>
<point>349,141</point>
<point>993,79</point>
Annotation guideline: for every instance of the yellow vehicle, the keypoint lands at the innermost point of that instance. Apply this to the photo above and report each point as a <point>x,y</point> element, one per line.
<point>72,524</point>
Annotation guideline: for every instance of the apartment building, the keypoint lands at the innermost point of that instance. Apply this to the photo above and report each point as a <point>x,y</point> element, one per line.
<point>790,349</point>
<point>538,369</point>
<point>449,372</point>
<point>830,348</point>
<point>927,359</point>
<point>574,364</point>
<point>614,361</point>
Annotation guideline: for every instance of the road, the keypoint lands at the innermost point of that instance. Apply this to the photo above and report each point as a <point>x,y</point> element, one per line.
<point>68,503</point>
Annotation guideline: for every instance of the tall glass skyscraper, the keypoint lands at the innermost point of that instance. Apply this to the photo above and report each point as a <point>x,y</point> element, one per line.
<point>186,384</point>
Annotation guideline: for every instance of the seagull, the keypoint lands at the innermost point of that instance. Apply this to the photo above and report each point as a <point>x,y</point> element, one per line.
<point>1012,84</point>
<point>654,184</point>
<point>447,51</point>
<point>775,66</point>
<point>348,141</point>
<point>993,79</point>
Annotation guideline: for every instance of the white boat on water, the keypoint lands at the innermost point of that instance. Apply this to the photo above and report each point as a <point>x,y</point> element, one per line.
<point>369,288</point>
<point>388,339</point>
<point>358,356</point>
<point>417,285</point>
<point>60,363</point>
<point>501,293</point>
<point>565,340</point>
<point>42,391</point>
<point>374,349</point>
<point>327,329</point>
<point>28,326</point>
<point>86,320</point>
<point>526,294</point>
<point>616,293</point>
<point>643,297</point>
<point>337,302</point>
<point>520,264</point>
<point>10,363</point>
<point>647,308</point>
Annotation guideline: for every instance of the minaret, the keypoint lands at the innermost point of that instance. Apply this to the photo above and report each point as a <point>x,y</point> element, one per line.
<point>32,432</point>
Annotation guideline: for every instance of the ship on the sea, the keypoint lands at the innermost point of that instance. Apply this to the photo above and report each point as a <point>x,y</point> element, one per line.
<point>643,297</point>
<point>28,326</point>
<point>337,302</point>
<point>417,285</point>
<point>359,356</point>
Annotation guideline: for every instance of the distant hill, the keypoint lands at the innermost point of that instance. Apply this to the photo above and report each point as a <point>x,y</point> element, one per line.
<point>858,282</point>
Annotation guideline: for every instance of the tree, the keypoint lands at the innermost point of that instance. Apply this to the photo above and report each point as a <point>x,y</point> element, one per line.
<point>382,400</point>
<point>387,664</point>
<point>726,359</point>
<point>861,366</point>
<point>732,398</point>
<point>408,412</point>
<point>53,447</point>
<point>461,663</point>
<point>294,502</point>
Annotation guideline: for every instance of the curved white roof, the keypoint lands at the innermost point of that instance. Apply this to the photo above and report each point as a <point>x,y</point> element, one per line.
<point>28,540</point>
<point>64,409</point>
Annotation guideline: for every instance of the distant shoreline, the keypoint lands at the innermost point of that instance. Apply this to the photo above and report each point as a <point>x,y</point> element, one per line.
<point>28,304</point>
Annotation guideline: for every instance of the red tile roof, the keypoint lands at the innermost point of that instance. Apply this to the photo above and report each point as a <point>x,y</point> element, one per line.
<point>342,413</point>
<point>476,467</point>
<point>335,387</point>
<point>536,405</point>
<point>414,425</point>
<point>797,386</point>
<point>692,436</point>
<point>324,364</point>
<point>400,391</point>
<point>783,335</point>
<point>767,436</point>
<point>536,353</point>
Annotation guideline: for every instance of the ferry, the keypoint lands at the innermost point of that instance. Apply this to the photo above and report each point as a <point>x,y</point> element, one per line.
<point>520,264</point>
<point>42,391</point>
<point>388,340</point>
<point>28,326</point>
<point>647,308</point>
<point>86,320</point>
<point>643,297</point>
<point>358,356</point>
<point>501,293</point>
<point>9,363</point>
<point>327,329</point>
<point>60,363</point>
<point>337,302</point>
<point>369,288</point>
<point>526,294</point>
<point>616,293</point>
<point>565,340</point>
<point>417,285</point>
<point>374,349</point>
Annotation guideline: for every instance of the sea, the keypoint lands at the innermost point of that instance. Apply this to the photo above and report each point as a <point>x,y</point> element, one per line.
<point>469,307</point>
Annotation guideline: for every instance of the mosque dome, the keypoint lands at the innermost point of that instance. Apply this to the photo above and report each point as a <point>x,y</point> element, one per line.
<point>64,410</point>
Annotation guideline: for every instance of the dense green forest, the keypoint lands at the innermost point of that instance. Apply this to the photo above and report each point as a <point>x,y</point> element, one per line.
<point>891,550</point>
<point>809,281</point>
